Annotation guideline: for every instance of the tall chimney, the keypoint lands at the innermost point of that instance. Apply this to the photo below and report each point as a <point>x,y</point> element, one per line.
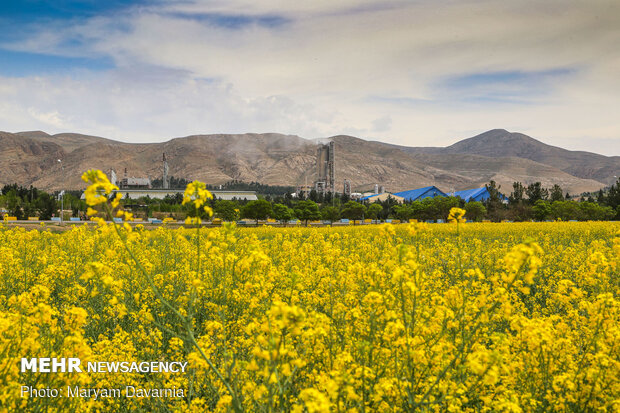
<point>166,183</point>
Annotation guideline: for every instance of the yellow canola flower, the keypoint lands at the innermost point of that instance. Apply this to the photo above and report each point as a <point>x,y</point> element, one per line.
<point>196,192</point>
<point>193,221</point>
<point>319,319</point>
<point>116,201</point>
<point>76,317</point>
<point>457,215</point>
<point>99,187</point>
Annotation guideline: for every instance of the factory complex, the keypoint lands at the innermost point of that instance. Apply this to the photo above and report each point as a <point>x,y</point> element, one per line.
<point>325,183</point>
<point>162,193</point>
<point>476,194</point>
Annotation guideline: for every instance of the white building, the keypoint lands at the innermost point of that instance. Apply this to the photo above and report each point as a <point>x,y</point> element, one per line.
<point>162,193</point>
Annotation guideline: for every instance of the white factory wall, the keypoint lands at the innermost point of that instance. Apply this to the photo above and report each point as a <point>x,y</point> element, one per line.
<point>162,193</point>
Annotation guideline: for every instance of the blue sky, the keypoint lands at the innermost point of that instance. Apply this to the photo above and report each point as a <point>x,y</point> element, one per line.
<point>22,64</point>
<point>24,11</point>
<point>412,73</point>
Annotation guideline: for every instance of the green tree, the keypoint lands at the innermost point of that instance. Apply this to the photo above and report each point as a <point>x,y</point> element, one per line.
<point>307,210</point>
<point>556,193</point>
<point>541,210</point>
<point>517,195</point>
<point>565,210</point>
<point>535,191</point>
<point>434,208</point>
<point>28,209</point>
<point>353,210</point>
<point>314,195</point>
<point>259,209</point>
<point>282,213</point>
<point>613,195</point>
<point>475,211</point>
<point>330,213</point>
<point>403,212</point>
<point>373,210</point>
<point>494,203</point>
<point>388,207</point>
<point>14,204</point>
<point>226,209</point>
<point>519,212</point>
<point>46,205</point>
<point>419,211</point>
<point>591,211</point>
<point>443,204</point>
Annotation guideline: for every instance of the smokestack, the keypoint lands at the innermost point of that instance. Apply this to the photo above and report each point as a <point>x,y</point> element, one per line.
<point>326,168</point>
<point>165,181</point>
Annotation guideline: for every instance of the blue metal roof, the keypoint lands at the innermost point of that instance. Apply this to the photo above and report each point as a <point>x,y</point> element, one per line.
<point>421,193</point>
<point>477,194</point>
<point>368,197</point>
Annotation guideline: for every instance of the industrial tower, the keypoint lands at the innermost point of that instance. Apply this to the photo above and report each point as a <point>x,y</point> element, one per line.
<point>326,169</point>
<point>166,181</point>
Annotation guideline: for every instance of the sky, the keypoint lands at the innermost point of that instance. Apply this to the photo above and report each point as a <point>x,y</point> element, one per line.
<point>415,72</point>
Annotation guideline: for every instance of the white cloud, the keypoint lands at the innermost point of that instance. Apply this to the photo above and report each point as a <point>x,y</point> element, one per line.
<point>51,119</point>
<point>320,70</point>
<point>122,106</point>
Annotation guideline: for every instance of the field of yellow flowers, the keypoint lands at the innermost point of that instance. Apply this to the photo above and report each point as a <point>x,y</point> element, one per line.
<point>410,317</point>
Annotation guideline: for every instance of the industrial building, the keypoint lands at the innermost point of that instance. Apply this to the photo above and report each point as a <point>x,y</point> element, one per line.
<point>130,182</point>
<point>477,194</point>
<point>135,188</point>
<point>346,190</point>
<point>382,197</point>
<point>135,183</point>
<point>421,193</point>
<point>326,169</point>
<point>162,193</point>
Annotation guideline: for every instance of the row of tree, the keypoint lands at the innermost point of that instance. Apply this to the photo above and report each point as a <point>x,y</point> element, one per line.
<point>531,202</point>
<point>534,202</point>
<point>22,202</point>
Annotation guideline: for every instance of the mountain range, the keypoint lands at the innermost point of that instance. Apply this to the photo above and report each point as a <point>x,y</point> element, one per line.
<point>31,158</point>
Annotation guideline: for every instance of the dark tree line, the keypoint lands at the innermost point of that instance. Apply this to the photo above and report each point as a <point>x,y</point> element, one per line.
<point>22,202</point>
<point>534,202</point>
<point>524,203</point>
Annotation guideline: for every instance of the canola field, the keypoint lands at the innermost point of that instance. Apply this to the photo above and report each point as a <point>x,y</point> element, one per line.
<point>451,317</point>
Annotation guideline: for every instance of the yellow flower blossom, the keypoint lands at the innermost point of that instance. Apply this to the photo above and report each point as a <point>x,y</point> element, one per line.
<point>99,187</point>
<point>407,317</point>
<point>457,215</point>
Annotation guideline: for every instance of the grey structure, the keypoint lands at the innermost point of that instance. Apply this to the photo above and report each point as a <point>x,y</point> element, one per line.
<point>162,193</point>
<point>165,179</point>
<point>326,168</point>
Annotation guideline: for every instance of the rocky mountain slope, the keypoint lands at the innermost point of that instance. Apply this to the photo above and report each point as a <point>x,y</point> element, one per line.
<point>498,143</point>
<point>31,158</point>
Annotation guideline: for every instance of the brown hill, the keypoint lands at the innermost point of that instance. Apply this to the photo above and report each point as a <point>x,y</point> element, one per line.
<point>21,159</point>
<point>501,143</point>
<point>68,141</point>
<point>31,158</point>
